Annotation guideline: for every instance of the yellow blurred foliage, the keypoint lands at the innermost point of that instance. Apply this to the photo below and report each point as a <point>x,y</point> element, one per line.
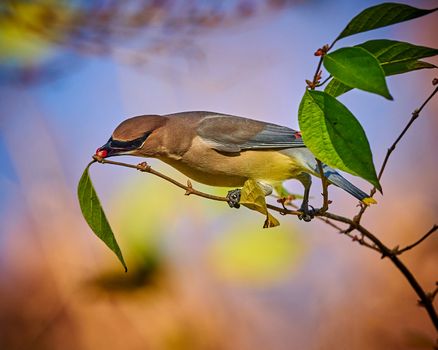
<point>28,30</point>
<point>255,256</point>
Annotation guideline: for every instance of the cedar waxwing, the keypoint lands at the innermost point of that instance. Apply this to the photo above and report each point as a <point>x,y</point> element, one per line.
<point>225,150</point>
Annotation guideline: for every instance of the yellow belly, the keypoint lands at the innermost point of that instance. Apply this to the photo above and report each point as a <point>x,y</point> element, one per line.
<point>227,170</point>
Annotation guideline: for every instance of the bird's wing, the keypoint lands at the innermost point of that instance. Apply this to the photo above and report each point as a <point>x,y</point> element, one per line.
<point>232,134</point>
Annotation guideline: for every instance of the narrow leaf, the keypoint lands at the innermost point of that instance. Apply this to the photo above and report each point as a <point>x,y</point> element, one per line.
<point>335,136</point>
<point>95,216</point>
<point>357,68</point>
<point>406,66</point>
<point>380,16</point>
<point>253,197</point>
<point>390,52</point>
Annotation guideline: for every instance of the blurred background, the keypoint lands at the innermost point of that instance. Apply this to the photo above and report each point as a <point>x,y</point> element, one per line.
<point>201,276</point>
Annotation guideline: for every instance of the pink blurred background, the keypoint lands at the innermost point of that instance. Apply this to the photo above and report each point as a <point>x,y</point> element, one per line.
<point>201,276</point>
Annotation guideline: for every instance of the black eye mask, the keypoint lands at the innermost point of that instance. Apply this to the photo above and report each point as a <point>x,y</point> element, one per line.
<point>128,145</point>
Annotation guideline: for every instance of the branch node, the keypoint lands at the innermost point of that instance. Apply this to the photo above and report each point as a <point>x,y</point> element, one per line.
<point>415,114</point>
<point>310,84</point>
<point>322,51</point>
<point>144,167</point>
<point>189,189</point>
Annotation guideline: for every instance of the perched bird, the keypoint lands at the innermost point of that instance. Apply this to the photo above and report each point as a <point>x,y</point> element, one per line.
<point>225,150</point>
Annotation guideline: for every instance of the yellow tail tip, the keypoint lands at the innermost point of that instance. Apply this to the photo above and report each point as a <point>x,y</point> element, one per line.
<point>369,201</point>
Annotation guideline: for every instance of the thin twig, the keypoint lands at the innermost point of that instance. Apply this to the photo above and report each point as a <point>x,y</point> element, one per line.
<point>434,293</point>
<point>432,230</point>
<point>144,167</point>
<point>360,240</point>
<point>324,81</point>
<point>415,115</point>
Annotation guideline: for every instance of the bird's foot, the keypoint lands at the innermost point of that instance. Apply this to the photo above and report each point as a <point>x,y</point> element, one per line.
<point>307,214</point>
<point>234,198</point>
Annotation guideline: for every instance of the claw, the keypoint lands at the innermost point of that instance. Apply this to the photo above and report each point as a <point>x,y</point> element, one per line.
<point>307,214</point>
<point>234,198</point>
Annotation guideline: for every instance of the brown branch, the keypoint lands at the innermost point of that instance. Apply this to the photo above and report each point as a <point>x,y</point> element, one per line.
<point>424,298</point>
<point>144,167</point>
<point>415,115</point>
<point>409,247</point>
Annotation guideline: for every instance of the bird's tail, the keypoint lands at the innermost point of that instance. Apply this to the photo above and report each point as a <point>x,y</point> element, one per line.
<point>337,179</point>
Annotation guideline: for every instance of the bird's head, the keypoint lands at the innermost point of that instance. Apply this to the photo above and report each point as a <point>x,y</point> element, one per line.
<point>134,136</point>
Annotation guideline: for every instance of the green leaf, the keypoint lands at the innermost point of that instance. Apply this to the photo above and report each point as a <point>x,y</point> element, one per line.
<point>336,88</point>
<point>395,57</point>
<point>356,67</point>
<point>253,197</point>
<point>334,135</point>
<point>95,216</point>
<point>380,16</point>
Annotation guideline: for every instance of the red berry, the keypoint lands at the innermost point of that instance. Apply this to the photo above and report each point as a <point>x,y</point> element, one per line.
<point>102,153</point>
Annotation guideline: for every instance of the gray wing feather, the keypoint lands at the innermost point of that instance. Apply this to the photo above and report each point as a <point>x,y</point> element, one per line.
<point>234,134</point>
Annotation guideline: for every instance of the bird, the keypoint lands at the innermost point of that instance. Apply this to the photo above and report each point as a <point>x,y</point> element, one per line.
<point>225,151</point>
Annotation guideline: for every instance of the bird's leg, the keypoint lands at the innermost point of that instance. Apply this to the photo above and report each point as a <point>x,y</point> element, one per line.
<point>307,214</point>
<point>233,197</point>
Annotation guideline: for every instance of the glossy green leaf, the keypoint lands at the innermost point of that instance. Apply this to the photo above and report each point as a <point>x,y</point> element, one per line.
<point>395,57</point>
<point>357,68</point>
<point>335,136</point>
<point>380,16</point>
<point>95,216</point>
<point>391,52</point>
<point>336,88</point>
